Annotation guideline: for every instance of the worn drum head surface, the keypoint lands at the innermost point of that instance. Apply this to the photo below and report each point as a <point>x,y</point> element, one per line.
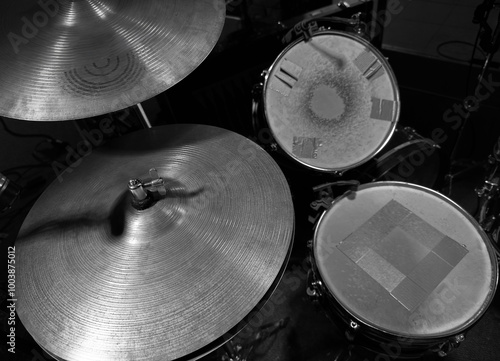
<point>331,102</point>
<point>405,260</point>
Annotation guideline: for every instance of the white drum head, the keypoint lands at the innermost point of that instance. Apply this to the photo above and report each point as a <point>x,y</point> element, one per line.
<point>405,260</point>
<point>331,102</point>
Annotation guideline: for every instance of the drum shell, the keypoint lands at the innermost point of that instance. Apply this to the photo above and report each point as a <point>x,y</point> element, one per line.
<point>407,157</point>
<point>374,340</point>
<point>378,339</point>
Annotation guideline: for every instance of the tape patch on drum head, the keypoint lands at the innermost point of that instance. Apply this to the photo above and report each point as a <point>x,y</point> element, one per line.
<point>369,65</point>
<point>382,109</point>
<point>306,148</point>
<point>403,253</point>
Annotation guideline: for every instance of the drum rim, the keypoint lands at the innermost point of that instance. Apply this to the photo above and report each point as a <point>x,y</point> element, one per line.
<point>418,139</point>
<point>401,146</point>
<point>393,80</point>
<point>490,250</point>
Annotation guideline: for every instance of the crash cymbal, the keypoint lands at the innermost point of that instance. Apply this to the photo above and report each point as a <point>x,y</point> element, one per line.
<point>102,275</point>
<point>70,59</point>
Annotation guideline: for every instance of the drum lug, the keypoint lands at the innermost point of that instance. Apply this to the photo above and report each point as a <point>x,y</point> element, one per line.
<point>411,132</point>
<point>353,329</point>
<point>325,203</point>
<point>448,346</point>
<point>311,292</point>
<point>459,338</point>
<point>313,286</point>
<point>257,91</point>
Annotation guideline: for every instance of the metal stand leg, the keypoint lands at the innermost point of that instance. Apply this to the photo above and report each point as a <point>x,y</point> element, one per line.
<point>491,47</point>
<point>143,117</point>
<point>237,352</point>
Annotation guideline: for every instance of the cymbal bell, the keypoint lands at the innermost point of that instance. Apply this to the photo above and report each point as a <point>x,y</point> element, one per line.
<point>67,59</point>
<point>100,278</point>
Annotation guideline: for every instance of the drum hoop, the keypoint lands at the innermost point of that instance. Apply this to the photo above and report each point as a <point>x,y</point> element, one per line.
<point>390,73</point>
<point>397,148</point>
<point>491,253</point>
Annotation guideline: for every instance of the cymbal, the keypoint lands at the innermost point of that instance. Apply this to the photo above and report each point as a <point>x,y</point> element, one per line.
<point>67,59</point>
<point>100,279</point>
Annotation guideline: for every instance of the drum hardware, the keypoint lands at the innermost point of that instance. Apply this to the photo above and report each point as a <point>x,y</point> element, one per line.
<point>489,188</point>
<point>129,264</point>
<point>453,162</point>
<point>316,291</point>
<point>325,195</point>
<point>324,12</point>
<point>412,134</point>
<point>262,136</point>
<point>343,5</point>
<point>234,351</point>
<point>92,60</point>
<point>448,346</point>
<point>353,255</point>
<point>143,117</point>
<point>327,188</point>
<point>314,284</point>
<point>312,290</point>
<point>488,194</point>
<point>360,28</point>
<point>407,157</point>
<point>145,194</point>
<point>352,330</point>
<point>307,28</point>
<point>9,192</point>
<point>490,42</point>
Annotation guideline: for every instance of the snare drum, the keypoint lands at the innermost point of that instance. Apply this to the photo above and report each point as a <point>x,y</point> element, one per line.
<point>331,102</point>
<point>403,268</point>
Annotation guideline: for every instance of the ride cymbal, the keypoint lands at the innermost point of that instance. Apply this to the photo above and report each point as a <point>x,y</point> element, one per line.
<point>69,59</point>
<point>100,279</point>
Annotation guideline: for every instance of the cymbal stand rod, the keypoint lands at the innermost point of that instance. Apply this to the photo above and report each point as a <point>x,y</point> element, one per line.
<point>143,117</point>
<point>495,44</point>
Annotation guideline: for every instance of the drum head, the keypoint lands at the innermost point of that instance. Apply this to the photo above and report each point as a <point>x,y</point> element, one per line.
<point>331,102</point>
<point>405,260</point>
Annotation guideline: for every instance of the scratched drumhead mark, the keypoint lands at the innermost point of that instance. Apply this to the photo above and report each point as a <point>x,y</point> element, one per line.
<point>286,76</point>
<point>104,77</point>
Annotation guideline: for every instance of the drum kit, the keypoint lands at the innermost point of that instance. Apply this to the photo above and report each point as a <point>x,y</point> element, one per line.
<point>163,242</point>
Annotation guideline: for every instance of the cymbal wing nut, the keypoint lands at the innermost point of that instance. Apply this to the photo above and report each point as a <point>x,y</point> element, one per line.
<point>138,192</point>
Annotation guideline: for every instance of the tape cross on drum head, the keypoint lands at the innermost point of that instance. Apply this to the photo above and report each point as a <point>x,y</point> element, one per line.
<point>405,260</point>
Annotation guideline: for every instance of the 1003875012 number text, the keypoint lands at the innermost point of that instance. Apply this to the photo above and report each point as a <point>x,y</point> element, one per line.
<point>11,300</point>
